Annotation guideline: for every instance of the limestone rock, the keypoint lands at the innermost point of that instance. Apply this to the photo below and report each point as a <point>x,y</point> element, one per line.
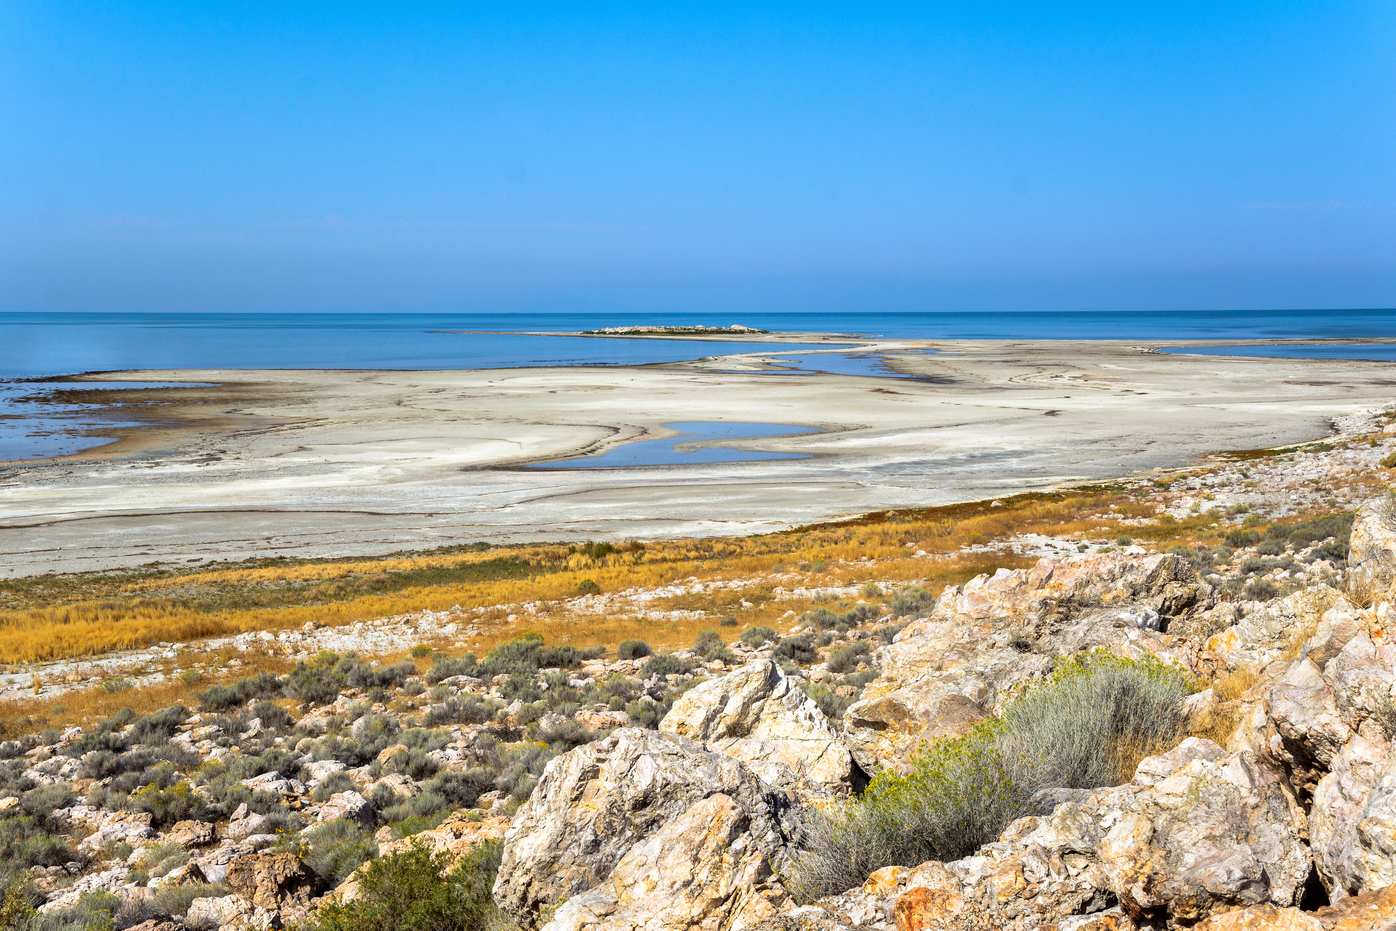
<point>1216,834</point>
<point>947,671</point>
<point>1372,547</point>
<point>758,716</point>
<point>275,881</point>
<point>226,911</point>
<point>1372,911</point>
<point>1352,825</point>
<point>1309,728</point>
<point>350,806</point>
<point>597,802</point>
<point>191,834</point>
<point>700,870</point>
<point>1264,635</point>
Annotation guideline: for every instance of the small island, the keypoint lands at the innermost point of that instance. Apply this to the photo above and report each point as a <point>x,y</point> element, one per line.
<point>670,330</point>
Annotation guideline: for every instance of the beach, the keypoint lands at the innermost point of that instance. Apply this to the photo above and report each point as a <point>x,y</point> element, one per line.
<point>335,463</point>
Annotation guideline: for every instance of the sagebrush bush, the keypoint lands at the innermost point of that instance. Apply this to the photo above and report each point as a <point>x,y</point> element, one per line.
<point>336,848</point>
<point>756,637</point>
<point>417,890</point>
<point>1085,726</point>
<point>798,649</point>
<point>662,664</point>
<point>633,649</point>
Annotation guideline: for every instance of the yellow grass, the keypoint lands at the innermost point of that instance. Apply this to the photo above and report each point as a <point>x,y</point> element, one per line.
<point>64,617</point>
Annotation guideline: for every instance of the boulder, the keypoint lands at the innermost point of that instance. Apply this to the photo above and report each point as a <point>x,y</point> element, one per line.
<point>1309,729</point>
<point>1372,547</point>
<point>945,672</point>
<point>1216,834</point>
<point>191,834</point>
<point>699,870</point>
<point>1268,633</point>
<point>279,883</point>
<point>596,803</point>
<point>760,717</point>
<point>1372,911</point>
<point>1352,825</point>
<point>224,911</point>
<point>349,806</point>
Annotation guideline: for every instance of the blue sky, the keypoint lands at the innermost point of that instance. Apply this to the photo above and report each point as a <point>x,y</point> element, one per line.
<point>376,157</point>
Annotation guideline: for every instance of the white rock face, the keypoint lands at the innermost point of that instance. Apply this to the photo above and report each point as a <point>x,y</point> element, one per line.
<point>1372,547</point>
<point>758,716</point>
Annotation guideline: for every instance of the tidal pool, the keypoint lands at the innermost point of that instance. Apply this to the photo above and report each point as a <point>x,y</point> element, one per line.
<point>698,442</point>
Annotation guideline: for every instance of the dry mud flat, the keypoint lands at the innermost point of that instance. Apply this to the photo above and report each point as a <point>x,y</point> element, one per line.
<point>319,463</point>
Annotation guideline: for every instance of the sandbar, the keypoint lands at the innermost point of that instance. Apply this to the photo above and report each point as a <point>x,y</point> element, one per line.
<point>338,463</point>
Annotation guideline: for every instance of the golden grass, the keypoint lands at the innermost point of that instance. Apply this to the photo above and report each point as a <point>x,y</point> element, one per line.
<point>1232,685</point>
<point>62,617</point>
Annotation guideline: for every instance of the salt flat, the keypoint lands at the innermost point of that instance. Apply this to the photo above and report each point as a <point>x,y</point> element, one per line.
<point>320,463</point>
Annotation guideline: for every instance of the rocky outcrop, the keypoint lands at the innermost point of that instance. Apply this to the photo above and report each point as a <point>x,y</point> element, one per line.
<point>1372,547</point>
<point>275,882</point>
<point>597,803</point>
<point>1216,833</point>
<point>698,871</point>
<point>760,717</point>
<point>946,672</point>
<point>1372,911</point>
<point>1352,825</point>
<point>1262,636</point>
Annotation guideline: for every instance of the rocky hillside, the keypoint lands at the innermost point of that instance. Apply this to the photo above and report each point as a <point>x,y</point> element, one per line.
<point>925,764</point>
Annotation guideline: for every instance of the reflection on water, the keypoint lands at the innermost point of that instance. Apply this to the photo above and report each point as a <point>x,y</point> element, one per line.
<point>689,447</point>
<point>36,425</point>
<point>1369,352</point>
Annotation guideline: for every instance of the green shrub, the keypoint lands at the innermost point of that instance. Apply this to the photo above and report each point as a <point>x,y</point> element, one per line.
<point>226,697</point>
<point>710,647</point>
<point>159,727</point>
<point>336,848</point>
<point>315,682</point>
<point>446,667</point>
<point>846,658</point>
<point>662,664</point>
<point>1239,538</point>
<point>798,649</point>
<point>1086,726</point>
<point>166,804</point>
<point>756,637</point>
<point>469,708</point>
<point>634,649</point>
<point>910,601</point>
<point>416,890</point>
<point>588,587</point>
<point>420,651</point>
<point>832,705</point>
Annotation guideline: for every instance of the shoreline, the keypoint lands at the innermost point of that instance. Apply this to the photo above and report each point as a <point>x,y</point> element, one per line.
<point>353,462</point>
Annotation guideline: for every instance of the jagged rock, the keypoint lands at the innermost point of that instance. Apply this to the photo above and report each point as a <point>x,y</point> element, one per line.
<point>700,870</point>
<point>1309,728</point>
<point>277,882</point>
<point>275,782</point>
<point>946,672</point>
<point>1264,635</point>
<point>157,924</point>
<point>351,806</point>
<point>1215,834</point>
<point>190,834</point>
<point>760,717</point>
<point>597,802</point>
<point>225,911</point>
<point>1336,628</point>
<point>1372,547</point>
<point>1352,825</point>
<point>119,827</point>
<point>240,829</point>
<point>1372,911</point>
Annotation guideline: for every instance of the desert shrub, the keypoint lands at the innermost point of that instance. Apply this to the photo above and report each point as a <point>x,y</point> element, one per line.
<point>226,697</point>
<point>798,649</point>
<point>663,664</point>
<point>910,601</point>
<point>1271,548</point>
<point>337,848</point>
<point>159,727</point>
<point>166,804</point>
<point>315,682</point>
<point>1261,590</point>
<point>566,735</point>
<point>860,678</point>
<point>420,651</point>
<point>373,733</point>
<point>1335,550</point>
<point>447,667</point>
<point>888,632</point>
<point>459,788</point>
<point>273,717</point>
<point>633,649</point>
<point>519,655</point>
<point>1085,726</point>
<point>822,618</point>
<point>644,713</point>
<point>711,648</point>
<point>333,784</point>
<point>175,900</point>
<point>1239,538</point>
<point>97,910</point>
<point>1306,533</point>
<point>469,708</point>
<point>14,777</point>
<point>42,802</point>
<point>832,705</point>
<point>417,890</point>
<point>755,637</point>
<point>25,842</point>
<point>361,675</point>
<point>845,658</point>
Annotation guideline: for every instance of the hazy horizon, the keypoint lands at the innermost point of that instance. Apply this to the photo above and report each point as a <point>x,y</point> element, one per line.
<point>371,158</point>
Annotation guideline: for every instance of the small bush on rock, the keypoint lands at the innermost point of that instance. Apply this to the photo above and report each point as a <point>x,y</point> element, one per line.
<point>417,890</point>
<point>1086,726</point>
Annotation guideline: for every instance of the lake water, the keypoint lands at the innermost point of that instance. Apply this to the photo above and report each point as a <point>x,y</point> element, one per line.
<point>1373,352</point>
<point>39,345</point>
<point>698,442</point>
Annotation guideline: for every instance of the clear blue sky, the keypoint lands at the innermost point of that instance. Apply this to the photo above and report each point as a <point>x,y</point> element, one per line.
<point>965,156</point>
